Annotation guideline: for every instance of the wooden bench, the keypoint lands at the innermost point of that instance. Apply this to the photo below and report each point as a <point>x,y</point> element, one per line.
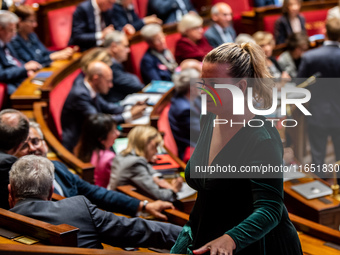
<point>63,235</point>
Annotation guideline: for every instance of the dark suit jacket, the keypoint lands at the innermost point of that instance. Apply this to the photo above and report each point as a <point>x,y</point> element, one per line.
<point>283,29</point>
<point>185,49</point>
<point>124,83</point>
<point>166,9</point>
<point>97,226</point>
<point>108,200</point>
<point>32,49</point>
<point>324,104</point>
<point>120,18</point>
<point>84,26</point>
<point>214,37</point>
<point>78,106</point>
<point>152,69</point>
<point>11,74</point>
<point>184,122</point>
<point>6,162</point>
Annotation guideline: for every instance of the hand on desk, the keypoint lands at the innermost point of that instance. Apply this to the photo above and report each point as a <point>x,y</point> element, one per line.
<point>32,66</point>
<point>223,245</point>
<point>63,54</point>
<point>137,110</point>
<point>156,208</point>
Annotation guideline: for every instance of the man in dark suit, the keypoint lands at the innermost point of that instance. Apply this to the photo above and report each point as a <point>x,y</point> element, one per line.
<point>117,45</point>
<point>222,30</point>
<point>324,104</point>
<point>124,13</point>
<point>84,99</point>
<point>13,133</point>
<point>70,185</point>
<point>170,11</point>
<point>92,21</point>
<point>31,189</point>
<point>12,70</point>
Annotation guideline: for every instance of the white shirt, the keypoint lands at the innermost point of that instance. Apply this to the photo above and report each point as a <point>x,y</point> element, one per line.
<point>127,116</point>
<point>225,37</point>
<point>97,21</point>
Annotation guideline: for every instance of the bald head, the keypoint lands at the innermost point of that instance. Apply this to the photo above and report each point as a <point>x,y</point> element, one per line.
<point>13,130</point>
<point>222,14</point>
<point>99,76</point>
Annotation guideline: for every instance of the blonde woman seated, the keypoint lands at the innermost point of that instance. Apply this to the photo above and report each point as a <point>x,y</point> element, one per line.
<point>132,166</point>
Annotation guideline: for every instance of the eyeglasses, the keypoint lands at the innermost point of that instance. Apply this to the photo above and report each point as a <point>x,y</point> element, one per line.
<point>35,142</point>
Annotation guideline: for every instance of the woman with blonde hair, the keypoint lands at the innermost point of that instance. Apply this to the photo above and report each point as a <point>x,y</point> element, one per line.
<point>192,44</point>
<point>237,211</point>
<point>132,166</point>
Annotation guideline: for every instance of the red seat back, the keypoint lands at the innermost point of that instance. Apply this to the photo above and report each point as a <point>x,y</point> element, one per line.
<point>60,26</point>
<point>137,52</point>
<point>57,99</point>
<point>171,41</point>
<point>163,125</point>
<point>142,8</point>
<point>3,94</point>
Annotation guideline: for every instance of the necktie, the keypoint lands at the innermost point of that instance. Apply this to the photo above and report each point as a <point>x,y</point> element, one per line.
<point>227,35</point>
<point>102,21</point>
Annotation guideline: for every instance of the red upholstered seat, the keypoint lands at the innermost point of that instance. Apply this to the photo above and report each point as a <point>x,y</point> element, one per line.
<point>57,99</point>
<point>3,94</point>
<point>142,7</point>
<point>137,52</point>
<point>163,125</point>
<point>60,26</point>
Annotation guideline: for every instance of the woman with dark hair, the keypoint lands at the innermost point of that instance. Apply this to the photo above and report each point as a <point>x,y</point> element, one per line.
<point>290,22</point>
<point>27,44</point>
<point>237,212</point>
<point>98,135</point>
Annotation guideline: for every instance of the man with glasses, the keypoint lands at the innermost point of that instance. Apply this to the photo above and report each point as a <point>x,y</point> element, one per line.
<point>117,46</point>
<point>13,133</point>
<point>69,185</point>
<point>85,99</point>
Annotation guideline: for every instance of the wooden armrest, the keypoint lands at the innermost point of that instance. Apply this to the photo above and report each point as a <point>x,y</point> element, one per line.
<point>174,216</point>
<point>18,249</point>
<point>64,235</point>
<point>315,229</point>
<point>57,197</point>
<point>86,170</point>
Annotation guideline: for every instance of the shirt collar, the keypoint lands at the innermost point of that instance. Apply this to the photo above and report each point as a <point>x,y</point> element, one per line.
<point>95,6</point>
<point>331,43</point>
<point>93,93</point>
<point>2,44</point>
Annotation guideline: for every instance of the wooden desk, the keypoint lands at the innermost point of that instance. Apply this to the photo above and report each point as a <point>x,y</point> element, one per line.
<point>313,209</point>
<point>28,92</point>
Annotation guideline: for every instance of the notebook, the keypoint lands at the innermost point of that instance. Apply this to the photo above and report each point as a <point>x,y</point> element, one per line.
<point>158,87</point>
<point>312,189</point>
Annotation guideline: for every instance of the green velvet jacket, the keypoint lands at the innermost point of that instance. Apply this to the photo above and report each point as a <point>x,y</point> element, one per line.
<point>251,211</point>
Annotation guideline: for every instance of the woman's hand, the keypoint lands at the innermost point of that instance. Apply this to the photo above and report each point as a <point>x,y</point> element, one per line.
<point>223,245</point>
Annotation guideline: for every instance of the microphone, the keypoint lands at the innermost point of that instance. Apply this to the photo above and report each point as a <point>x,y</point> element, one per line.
<point>309,81</point>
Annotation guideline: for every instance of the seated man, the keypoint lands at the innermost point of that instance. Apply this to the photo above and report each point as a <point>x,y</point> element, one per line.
<point>124,13</point>
<point>13,133</point>
<point>184,113</point>
<point>117,46</point>
<point>158,63</point>
<point>170,11</point>
<point>222,30</point>
<point>84,99</point>
<point>92,21</point>
<point>69,185</point>
<point>31,188</point>
<point>12,70</point>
